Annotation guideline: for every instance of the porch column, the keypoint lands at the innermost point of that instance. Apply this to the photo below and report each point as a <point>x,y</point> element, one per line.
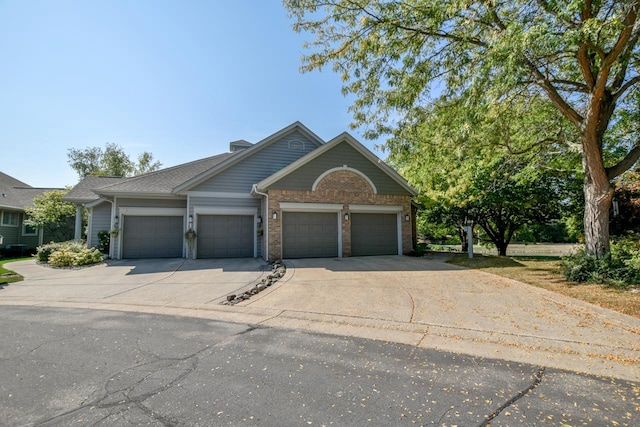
<point>78,231</point>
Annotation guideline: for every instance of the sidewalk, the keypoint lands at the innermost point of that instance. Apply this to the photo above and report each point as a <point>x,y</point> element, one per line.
<point>420,302</point>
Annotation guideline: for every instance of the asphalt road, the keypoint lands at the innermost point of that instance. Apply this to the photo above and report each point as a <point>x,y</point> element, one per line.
<point>107,368</point>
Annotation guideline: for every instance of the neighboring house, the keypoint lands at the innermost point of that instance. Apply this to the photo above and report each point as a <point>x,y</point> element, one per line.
<point>290,195</point>
<point>15,196</point>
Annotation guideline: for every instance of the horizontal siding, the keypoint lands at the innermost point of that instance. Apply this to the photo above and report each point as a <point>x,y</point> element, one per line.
<point>100,221</point>
<point>240,177</point>
<point>13,235</point>
<point>151,203</point>
<point>342,154</point>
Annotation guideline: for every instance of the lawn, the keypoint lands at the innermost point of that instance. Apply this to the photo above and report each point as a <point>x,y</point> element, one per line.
<point>543,273</point>
<point>8,276</point>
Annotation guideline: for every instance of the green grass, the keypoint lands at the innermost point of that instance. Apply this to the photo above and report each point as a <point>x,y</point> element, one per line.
<point>14,277</point>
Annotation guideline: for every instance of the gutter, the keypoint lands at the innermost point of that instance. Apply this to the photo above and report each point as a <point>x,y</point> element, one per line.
<point>265,220</point>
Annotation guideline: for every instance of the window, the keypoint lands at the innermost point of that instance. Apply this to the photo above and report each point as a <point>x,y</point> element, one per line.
<point>10,219</point>
<point>28,230</point>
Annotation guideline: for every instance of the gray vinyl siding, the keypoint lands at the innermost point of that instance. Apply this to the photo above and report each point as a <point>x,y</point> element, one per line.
<point>342,154</point>
<point>100,221</point>
<point>151,203</point>
<point>240,177</point>
<point>13,235</point>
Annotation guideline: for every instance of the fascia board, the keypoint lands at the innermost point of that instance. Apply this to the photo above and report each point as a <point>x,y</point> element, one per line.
<point>246,153</point>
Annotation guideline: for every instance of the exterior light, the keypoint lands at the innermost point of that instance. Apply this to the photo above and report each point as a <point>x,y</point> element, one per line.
<point>116,221</point>
<point>274,215</point>
<point>346,216</point>
<point>407,218</point>
<point>259,219</point>
<point>190,221</point>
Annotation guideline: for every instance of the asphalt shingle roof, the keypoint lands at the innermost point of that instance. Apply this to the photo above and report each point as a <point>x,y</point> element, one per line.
<point>164,180</point>
<point>83,191</point>
<point>15,194</point>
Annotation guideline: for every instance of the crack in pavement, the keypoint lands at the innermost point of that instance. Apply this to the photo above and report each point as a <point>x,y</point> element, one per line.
<point>537,379</point>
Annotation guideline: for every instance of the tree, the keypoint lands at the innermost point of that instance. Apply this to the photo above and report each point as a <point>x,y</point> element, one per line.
<point>112,161</point>
<point>467,166</point>
<point>581,56</point>
<point>627,197</point>
<point>55,216</point>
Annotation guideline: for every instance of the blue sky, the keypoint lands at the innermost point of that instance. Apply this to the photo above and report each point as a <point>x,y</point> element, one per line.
<point>180,79</point>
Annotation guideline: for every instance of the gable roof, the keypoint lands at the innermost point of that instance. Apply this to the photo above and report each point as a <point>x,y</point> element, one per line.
<point>15,194</point>
<point>240,155</point>
<point>163,182</point>
<point>83,192</point>
<point>343,137</point>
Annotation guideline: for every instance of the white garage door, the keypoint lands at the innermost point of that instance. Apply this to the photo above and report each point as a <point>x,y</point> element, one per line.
<point>152,237</point>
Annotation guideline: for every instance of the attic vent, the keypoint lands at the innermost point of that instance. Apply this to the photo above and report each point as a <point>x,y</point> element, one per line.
<point>296,144</point>
<point>239,145</point>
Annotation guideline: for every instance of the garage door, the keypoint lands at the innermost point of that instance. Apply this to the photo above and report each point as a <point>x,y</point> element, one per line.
<point>152,237</point>
<point>309,235</point>
<point>374,234</point>
<point>225,236</point>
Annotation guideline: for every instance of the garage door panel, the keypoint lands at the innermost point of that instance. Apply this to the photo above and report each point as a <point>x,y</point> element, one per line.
<point>225,236</point>
<point>374,234</point>
<point>152,237</point>
<point>309,234</point>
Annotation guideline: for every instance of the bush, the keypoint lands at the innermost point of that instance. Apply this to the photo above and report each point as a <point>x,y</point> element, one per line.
<point>620,268</point>
<point>68,254</point>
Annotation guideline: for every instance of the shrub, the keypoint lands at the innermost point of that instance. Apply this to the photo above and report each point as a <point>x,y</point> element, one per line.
<point>620,268</point>
<point>66,254</point>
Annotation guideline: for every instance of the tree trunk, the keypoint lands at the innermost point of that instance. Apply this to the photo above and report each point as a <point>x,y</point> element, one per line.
<point>463,239</point>
<point>598,194</point>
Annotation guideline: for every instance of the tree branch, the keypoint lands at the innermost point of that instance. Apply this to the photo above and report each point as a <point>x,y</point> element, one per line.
<point>625,164</point>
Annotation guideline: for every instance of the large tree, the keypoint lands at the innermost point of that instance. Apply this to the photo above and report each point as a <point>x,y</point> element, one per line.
<point>583,56</point>
<point>112,161</point>
<point>467,165</point>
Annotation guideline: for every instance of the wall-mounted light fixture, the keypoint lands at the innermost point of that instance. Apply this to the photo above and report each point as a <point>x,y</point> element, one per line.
<point>190,221</point>
<point>346,216</point>
<point>274,215</point>
<point>116,221</point>
<point>259,220</point>
<point>406,217</point>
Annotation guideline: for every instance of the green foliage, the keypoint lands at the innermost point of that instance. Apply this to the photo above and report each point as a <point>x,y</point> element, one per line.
<point>560,76</point>
<point>49,208</point>
<point>69,257</point>
<point>105,241</point>
<point>619,268</point>
<point>112,161</point>
<point>627,196</point>
<point>67,254</point>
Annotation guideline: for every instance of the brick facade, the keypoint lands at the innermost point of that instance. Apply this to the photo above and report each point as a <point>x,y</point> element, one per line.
<point>340,187</point>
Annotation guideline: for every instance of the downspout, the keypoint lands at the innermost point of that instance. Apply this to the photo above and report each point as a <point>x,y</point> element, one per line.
<point>265,221</point>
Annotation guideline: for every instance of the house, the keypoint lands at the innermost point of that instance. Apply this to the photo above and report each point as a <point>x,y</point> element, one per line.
<point>15,196</point>
<point>291,195</point>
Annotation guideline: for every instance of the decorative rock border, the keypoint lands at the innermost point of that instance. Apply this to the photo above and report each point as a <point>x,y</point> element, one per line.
<point>277,272</point>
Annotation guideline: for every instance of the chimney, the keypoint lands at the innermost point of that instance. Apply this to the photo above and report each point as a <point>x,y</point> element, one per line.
<point>239,145</point>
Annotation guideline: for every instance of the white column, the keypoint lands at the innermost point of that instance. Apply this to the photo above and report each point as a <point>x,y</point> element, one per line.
<point>78,231</point>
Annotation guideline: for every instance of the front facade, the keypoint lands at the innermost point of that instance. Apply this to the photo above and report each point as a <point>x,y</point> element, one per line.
<point>290,195</point>
<point>15,197</point>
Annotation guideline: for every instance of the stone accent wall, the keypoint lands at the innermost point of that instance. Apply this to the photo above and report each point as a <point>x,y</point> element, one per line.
<point>338,189</point>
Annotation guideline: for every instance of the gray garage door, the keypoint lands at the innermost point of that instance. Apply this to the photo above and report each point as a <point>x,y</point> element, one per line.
<point>309,235</point>
<point>374,234</point>
<point>152,237</point>
<point>225,236</point>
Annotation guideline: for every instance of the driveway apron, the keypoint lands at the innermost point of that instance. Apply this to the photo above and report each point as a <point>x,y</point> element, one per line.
<point>418,301</point>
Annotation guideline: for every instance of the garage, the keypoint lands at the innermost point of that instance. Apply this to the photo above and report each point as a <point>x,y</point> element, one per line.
<point>152,236</point>
<point>225,236</point>
<point>309,234</point>
<point>374,234</point>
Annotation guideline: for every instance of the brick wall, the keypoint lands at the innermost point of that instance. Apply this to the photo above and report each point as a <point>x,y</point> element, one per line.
<point>340,187</point>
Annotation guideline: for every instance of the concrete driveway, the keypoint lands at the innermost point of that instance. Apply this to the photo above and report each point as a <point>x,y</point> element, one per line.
<point>418,301</point>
